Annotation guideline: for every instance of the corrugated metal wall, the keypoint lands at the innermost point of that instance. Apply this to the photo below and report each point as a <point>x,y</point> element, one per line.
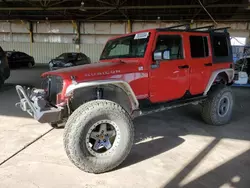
<point>44,52</point>
<point>53,38</point>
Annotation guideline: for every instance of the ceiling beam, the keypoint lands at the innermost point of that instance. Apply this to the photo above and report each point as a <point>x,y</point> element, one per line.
<point>124,7</point>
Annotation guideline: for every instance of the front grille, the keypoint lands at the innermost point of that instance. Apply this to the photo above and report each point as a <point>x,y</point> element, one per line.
<point>52,85</point>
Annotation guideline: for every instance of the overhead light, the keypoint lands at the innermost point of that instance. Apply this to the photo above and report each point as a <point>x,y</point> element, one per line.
<point>82,7</point>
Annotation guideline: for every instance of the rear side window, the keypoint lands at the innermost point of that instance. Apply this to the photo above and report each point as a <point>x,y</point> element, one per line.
<point>22,55</point>
<point>220,46</point>
<point>198,46</point>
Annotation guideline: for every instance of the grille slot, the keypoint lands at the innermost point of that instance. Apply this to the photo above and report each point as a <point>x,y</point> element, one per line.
<point>52,85</point>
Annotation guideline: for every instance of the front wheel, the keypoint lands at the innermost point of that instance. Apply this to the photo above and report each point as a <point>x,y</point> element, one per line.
<point>217,109</point>
<point>1,82</point>
<point>98,136</point>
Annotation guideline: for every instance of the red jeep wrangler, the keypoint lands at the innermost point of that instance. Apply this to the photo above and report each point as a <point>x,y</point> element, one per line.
<point>138,73</point>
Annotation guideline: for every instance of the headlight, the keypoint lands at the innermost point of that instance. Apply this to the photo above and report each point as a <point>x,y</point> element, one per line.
<point>68,65</point>
<point>51,64</point>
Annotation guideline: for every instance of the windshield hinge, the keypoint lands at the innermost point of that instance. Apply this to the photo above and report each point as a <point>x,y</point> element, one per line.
<point>73,78</point>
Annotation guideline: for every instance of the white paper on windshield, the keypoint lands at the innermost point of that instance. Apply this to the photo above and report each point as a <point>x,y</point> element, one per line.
<point>143,35</point>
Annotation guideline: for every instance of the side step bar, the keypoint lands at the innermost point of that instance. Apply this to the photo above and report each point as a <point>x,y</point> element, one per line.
<point>168,106</point>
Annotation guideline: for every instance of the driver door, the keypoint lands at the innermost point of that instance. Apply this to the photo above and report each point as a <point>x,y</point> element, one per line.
<point>169,79</point>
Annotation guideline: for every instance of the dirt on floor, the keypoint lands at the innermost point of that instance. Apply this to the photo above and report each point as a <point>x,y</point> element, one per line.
<point>172,149</point>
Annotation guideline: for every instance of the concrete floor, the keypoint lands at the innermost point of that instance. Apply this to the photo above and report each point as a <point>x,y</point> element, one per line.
<point>172,149</point>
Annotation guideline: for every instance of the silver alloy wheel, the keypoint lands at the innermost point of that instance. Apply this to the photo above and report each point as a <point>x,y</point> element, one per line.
<point>102,138</point>
<point>223,107</point>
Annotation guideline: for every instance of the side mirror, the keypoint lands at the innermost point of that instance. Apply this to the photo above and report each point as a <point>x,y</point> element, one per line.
<point>162,55</point>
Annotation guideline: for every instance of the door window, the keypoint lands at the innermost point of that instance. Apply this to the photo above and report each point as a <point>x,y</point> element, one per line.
<point>173,43</point>
<point>17,55</point>
<point>198,46</point>
<point>79,58</point>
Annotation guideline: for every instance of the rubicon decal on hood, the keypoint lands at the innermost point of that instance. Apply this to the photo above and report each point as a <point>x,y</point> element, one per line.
<point>103,73</point>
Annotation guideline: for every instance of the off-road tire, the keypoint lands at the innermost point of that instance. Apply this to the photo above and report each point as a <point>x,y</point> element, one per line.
<point>76,130</point>
<point>210,107</point>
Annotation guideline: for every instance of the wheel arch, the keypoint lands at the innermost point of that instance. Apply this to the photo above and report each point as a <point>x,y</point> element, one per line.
<point>226,75</point>
<point>117,91</point>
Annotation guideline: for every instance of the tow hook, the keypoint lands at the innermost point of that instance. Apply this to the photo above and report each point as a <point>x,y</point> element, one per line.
<point>18,104</point>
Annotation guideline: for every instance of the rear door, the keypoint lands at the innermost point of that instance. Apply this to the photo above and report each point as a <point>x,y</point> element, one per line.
<point>200,60</point>
<point>22,59</point>
<point>16,58</point>
<point>25,58</point>
<point>170,79</point>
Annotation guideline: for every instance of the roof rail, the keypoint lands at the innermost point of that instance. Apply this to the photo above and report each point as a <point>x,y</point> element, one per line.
<point>174,27</point>
<point>204,27</point>
<point>222,28</point>
<point>210,28</point>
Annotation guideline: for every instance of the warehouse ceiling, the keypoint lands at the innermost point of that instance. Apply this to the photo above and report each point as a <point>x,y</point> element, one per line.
<point>85,10</point>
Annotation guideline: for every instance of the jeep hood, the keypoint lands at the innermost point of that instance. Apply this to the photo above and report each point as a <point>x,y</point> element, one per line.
<point>95,71</point>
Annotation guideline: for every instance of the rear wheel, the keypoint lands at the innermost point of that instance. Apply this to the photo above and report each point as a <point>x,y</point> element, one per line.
<point>98,136</point>
<point>30,64</point>
<point>217,109</point>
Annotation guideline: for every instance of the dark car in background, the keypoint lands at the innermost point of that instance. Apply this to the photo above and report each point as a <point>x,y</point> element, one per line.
<point>19,59</point>
<point>68,60</point>
<point>4,67</point>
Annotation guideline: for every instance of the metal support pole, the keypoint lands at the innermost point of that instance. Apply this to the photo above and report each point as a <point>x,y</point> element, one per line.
<point>30,29</point>
<point>76,26</point>
<point>129,30</point>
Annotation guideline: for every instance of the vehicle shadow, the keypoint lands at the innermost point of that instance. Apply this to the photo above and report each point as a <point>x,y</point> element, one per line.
<point>153,136</point>
<point>146,150</point>
<point>161,132</point>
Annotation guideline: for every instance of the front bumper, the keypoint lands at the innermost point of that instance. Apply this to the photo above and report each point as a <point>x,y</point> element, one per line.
<point>45,114</point>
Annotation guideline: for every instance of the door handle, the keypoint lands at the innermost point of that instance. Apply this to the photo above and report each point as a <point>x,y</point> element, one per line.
<point>208,64</point>
<point>183,67</point>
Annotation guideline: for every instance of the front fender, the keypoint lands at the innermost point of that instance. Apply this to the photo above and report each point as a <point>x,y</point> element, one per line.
<point>119,83</point>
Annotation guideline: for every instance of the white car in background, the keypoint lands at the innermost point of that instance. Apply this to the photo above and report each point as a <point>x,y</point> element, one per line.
<point>242,70</point>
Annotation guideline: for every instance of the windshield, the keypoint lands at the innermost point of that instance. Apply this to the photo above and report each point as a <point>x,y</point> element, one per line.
<point>8,54</point>
<point>67,56</point>
<point>132,46</point>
